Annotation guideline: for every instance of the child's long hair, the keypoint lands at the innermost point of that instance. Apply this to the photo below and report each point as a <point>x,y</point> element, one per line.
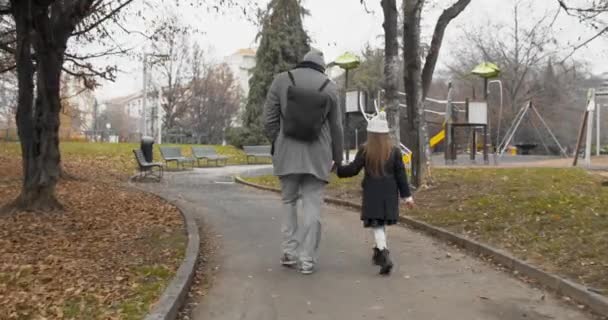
<point>377,151</point>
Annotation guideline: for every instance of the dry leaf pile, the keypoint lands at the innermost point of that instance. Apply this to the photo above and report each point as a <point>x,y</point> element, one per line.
<point>107,256</point>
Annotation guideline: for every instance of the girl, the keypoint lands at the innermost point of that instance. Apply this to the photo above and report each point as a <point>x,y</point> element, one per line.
<point>385,180</point>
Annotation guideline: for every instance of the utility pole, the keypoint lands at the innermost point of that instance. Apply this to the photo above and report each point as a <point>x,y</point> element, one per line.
<point>145,89</point>
<point>159,122</point>
<point>95,112</point>
<point>591,109</point>
<point>144,126</point>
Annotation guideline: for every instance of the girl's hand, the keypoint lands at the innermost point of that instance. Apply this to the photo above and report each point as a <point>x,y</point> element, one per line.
<point>409,203</point>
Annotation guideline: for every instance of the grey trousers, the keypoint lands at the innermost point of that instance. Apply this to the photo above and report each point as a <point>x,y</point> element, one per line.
<point>309,189</point>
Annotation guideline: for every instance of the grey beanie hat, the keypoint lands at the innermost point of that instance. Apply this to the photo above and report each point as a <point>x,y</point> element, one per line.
<point>315,56</point>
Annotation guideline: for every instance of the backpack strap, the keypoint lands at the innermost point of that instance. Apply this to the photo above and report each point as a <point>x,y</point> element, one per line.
<point>327,81</point>
<point>293,80</point>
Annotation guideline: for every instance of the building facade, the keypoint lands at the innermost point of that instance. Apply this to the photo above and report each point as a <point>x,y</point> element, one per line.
<point>242,63</point>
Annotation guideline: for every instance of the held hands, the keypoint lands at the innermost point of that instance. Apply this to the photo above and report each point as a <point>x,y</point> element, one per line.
<point>409,203</point>
<point>334,167</point>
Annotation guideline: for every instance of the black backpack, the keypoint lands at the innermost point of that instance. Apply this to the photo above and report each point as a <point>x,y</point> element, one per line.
<point>306,111</point>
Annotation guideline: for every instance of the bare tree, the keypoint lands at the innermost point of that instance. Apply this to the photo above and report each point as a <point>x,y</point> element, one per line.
<point>594,13</point>
<point>215,101</point>
<point>173,42</point>
<point>120,121</point>
<point>418,78</point>
<point>529,43</point>
<point>42,34</point>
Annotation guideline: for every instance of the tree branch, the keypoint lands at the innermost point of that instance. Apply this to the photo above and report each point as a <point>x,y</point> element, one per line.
<point>600,33</point>
<point>431,60</point>
<point>592,9</point>
<point>76,94</point>
<point>365,7</point>
<point>9,68</point>
<point>101,20</point>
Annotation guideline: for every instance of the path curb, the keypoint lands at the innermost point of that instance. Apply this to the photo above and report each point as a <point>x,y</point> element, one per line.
<point>176,293</point>
<point>579,293</point>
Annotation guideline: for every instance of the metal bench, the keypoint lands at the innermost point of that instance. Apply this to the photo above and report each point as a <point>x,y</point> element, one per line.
<point>174,154</point>
<point>209,154</point>
<point>147,169</point>
<point>255,152</point>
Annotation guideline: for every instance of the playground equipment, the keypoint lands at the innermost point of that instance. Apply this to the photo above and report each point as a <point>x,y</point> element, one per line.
<point>487,71</point>
<point>441,135</point>
<point>476,116</point>
<point>406,153</point>
<point>476,119</point>
<point>504,144</point>
<point>593,110</point>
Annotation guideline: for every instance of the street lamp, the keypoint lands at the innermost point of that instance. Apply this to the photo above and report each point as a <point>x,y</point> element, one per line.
<point>347,61</point>
<point>108,127</point>
<point>488,70</point>
<point>145,88</point>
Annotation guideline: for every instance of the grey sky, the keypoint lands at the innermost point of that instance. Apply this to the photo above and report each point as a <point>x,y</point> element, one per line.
<point>336,26</point>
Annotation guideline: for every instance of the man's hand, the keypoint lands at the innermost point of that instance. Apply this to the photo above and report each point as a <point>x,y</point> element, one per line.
<point>409,203</point>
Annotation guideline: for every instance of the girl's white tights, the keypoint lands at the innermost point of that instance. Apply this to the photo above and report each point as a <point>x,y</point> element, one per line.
<point>380,236</point>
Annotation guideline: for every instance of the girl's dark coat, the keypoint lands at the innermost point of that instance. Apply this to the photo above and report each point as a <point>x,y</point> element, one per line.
<point>380,194</point>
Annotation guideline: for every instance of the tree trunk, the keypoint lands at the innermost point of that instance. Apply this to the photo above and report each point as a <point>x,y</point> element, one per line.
<point>38,127</point>
<point>391,68</point>
<point>413,88</point>
<point>418,80</point>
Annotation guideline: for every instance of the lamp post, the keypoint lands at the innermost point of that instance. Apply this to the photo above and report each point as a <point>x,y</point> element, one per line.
<point>347,62</point>
<point>487,70</point>
<point>108,127</point>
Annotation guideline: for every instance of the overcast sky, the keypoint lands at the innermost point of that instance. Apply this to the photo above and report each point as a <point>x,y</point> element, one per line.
<point>336,26</point>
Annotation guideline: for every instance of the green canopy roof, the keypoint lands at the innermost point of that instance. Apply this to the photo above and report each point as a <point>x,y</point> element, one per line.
<point>486,70</point>
<point>348,61</point>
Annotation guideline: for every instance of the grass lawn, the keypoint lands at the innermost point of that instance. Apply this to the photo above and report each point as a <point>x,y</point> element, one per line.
<point>554,218</point>
<point>118,157</point>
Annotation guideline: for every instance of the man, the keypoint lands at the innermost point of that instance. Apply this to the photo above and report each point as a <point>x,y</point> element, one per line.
<point>303,121</point>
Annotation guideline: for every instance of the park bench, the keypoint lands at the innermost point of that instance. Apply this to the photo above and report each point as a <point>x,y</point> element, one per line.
<point>147,169</point>
<point>174,154</point>
<point>255,152</point>
<point>209,154</point>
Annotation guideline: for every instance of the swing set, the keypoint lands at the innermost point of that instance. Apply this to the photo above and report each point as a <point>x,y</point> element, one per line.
<point>475,120</point>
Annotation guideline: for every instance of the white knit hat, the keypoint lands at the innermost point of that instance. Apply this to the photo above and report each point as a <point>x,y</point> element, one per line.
<point>378,123</point>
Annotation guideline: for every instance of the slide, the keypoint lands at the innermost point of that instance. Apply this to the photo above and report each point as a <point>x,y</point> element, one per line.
<point>437,138</point>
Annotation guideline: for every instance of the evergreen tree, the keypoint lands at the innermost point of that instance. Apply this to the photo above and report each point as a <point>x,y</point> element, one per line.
<point>283,42</point>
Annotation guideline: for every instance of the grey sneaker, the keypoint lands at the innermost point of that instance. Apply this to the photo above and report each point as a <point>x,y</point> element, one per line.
<point>307,269</point>
<point>288,261</point>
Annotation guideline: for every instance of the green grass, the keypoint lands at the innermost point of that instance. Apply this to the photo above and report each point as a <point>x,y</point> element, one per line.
<point>555,218</point>
<point>85,308</point>
<point>269,181</point>
<point>149,284</point>
<point>334,181</point>
<point>119,156</point>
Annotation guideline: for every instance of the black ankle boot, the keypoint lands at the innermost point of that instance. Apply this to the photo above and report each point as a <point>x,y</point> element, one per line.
<point>386,264</point>
<point>377,257</point>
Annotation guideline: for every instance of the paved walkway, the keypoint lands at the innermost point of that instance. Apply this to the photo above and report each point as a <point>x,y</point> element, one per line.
<point>431,280</point>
